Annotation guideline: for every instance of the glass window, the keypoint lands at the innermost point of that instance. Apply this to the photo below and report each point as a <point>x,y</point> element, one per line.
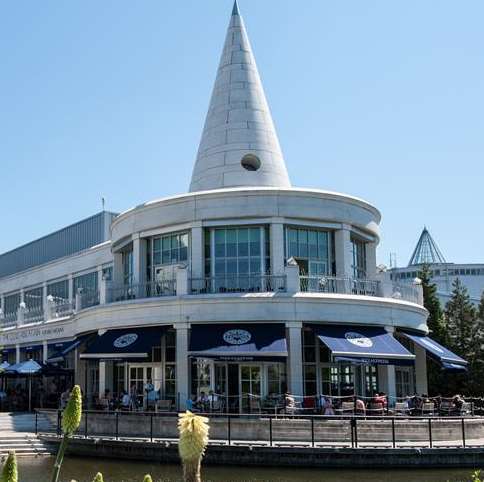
<point>87,285</point>
<point>200,376</point>
<point>359,259</point>
<point>11,305</point>
<point>127,268</point>
<point>59,290</point>
<point>238,258</point>
<point>310,247</point>
<point>34,303</point>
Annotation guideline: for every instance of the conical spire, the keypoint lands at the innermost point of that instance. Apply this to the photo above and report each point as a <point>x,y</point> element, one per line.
<point>239,145</point>
<point>426,251</point>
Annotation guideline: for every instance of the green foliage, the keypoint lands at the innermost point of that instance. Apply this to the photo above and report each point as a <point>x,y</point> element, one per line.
<point>71,418</point>
<point>438,383</point>
<point>98,478</point>
<point>466,337</point>
<point>147,478</point>
<point>476,476</point>
<point>9,472</point>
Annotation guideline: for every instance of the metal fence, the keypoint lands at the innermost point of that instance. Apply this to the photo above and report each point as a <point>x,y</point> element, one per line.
<point>143,290</point>
<point>255,283</point>
<point>317,431</point>
<point>340,285</point>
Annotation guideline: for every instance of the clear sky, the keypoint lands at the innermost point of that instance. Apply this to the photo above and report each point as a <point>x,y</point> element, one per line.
<point>382,100</point>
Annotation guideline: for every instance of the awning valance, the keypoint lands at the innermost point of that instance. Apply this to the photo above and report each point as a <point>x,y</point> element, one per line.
<point>64,348</point>
<point>368,345</point>
<point>447,359</point>
<point>238,342</point>
<point>125,343</point>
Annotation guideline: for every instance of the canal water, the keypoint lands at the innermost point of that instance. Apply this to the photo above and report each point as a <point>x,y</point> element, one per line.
<point>84,469</point>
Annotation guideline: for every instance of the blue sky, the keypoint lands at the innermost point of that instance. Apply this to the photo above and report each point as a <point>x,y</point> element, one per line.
<point>382,100</point>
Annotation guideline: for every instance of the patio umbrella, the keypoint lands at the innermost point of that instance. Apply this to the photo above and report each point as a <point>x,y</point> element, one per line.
<point>4,365</point>
<point>27,368</point>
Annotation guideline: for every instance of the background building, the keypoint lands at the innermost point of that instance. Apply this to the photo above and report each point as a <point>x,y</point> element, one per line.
<point>443,273</point>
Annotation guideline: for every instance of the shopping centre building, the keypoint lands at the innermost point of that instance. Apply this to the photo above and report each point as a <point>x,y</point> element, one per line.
<point>245,285</point>
<point>443,273</point>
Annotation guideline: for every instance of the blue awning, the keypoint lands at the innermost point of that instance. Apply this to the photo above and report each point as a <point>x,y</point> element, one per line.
<point>28,367</point>
<point>368,345</point>
<point>65,348</point>
<point>31,348</point>
<point>454,367</point>
<point>238,342</point>
<point>438,352</point>
<point>126,343</point>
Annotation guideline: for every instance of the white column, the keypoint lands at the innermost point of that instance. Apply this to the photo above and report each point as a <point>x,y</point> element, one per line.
<point>139,260</point>
<point>45,351</point>
<point>181,274</point>
<point>343,252</point>
<point>70,289</point>
<point>197,252</point>
<point>386,376</point>
<point>182,367</point>
<point>293,283</point>
<point>2,303</point>
<point>102,378</point>
<point>44,301</point>
<point>421,383</point>
<point>295,361</point>
<point>277,243</point>
<point>17,353</point>
<point>117,269</point>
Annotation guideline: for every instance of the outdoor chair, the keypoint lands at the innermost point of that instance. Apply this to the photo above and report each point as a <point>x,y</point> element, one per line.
<point>163,406</point>
<point>376,409</point>
<point>428,408</point>
<point>347,408</point>
<point>466,408</point>
<point>446,407</point>
<point>254,405</point>
<point>401,408</point>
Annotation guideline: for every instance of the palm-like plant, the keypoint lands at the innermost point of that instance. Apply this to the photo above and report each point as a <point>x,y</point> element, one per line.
<point>71,419</point>
<point>193,442</point>
<point>9,472</point>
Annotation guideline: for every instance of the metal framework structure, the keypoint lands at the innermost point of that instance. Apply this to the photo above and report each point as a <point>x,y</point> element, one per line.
<point>426,251</point>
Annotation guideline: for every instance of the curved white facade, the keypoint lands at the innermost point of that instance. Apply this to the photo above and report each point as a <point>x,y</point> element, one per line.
<point>259,253</point>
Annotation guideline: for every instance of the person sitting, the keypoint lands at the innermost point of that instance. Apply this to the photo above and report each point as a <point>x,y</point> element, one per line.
<point>326,405</point>
<point>360,408</point>
<point>203,401</point>
<point>151,394</point>
<point>457,404</point>
<point>290,403</point>
<point>125,400</point>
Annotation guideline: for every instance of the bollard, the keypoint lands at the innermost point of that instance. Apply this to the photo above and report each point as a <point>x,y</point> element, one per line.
<point>463,432</point>
<point>270,431</point>
<point>393,433</point>
<point>430,433</point>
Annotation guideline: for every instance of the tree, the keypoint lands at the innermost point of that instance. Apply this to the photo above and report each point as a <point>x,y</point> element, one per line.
<point>438,330</point>
<point>465,336</point>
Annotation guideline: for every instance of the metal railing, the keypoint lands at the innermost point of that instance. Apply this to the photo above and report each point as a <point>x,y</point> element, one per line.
<point>256,283</point>
<point>89,298</point>
<point>34,313</point>
<point>315,431</point>
<point>405,292</point>
<point>62,307</point>
<point>154,289</point>
<point>339,285</point>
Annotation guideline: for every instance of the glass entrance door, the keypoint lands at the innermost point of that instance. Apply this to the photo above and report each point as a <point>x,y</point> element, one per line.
<point>138,378</point>
<point>250,388</point>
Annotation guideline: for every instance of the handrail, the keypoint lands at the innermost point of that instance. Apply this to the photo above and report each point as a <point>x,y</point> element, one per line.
<point>238,283</point>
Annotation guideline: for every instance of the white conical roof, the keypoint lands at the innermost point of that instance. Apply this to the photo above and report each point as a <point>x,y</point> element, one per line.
<point>238,130</point>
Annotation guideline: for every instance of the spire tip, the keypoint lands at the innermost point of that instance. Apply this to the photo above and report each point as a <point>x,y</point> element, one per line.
<point>235,9</point>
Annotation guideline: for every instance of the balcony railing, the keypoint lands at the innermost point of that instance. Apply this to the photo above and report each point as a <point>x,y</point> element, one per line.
<point>347,286</point>
<point>62,307</point>
<point>238,284</point>
<point>88,298</point>
<point>363,287</point>
<point>144,290</point>
<point>33,314</point>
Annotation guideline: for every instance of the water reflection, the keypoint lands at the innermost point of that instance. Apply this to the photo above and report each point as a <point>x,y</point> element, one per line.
<point>84,469</point>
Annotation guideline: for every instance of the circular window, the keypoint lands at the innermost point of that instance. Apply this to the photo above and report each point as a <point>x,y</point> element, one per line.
<point>250,162</point>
